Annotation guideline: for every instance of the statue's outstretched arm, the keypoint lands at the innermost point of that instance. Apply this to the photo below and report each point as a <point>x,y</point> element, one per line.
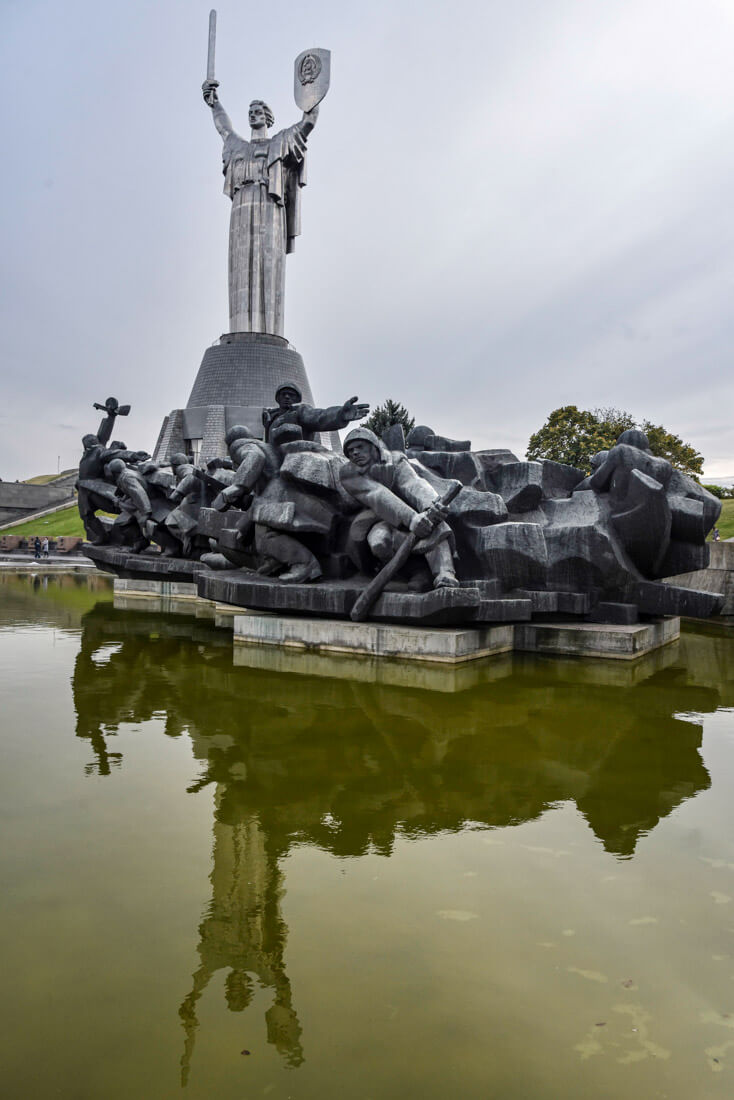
<point>309,120</point>
<point>220,116</point>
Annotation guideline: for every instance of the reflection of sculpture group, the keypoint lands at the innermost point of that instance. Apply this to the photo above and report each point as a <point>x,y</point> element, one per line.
<point>350,768</point>
<point>287,505</point>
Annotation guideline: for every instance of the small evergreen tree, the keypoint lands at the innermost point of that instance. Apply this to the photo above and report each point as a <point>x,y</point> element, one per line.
<point>384,416</point>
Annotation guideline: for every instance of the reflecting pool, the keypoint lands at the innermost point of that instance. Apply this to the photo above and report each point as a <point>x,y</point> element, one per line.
<point>235,880</point>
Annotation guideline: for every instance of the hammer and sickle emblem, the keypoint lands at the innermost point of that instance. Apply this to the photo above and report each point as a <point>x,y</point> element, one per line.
<point>309,68</point>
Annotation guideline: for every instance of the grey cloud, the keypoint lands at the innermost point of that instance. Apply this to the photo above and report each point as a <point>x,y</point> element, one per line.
<point>508,209</point>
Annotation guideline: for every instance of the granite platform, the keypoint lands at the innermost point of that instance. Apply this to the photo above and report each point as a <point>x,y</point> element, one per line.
<point>437,644</point>
<point>454,645</point>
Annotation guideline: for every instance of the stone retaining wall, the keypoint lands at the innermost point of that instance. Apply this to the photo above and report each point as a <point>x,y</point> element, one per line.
<point>17,499</point>
<point>718,577</point>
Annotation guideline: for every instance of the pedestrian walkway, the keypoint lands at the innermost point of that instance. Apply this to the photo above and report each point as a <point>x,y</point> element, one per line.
<point>22,561</point>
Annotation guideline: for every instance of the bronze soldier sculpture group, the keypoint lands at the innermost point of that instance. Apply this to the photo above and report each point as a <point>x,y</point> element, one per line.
<point>490,536</point>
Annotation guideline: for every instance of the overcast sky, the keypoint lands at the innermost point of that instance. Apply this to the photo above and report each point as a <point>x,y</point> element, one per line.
<point>509,208</point>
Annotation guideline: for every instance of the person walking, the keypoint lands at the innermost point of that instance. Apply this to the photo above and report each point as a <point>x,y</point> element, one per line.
<point>44,546</point>
<point>37,548</point>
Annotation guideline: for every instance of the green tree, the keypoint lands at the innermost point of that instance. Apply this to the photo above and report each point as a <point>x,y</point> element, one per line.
<point>667,445</point>
<point>573,435</point>
<point>615,421</point>
<point>722,492</point>
<point>384,416</point>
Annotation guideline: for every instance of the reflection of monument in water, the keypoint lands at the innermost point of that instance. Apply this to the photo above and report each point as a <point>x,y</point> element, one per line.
<point>348,766</point>
<point>263,177</point>
<point>243,931</point>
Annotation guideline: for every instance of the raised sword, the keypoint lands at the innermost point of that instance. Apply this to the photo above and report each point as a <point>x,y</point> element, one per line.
<point>212,43</point>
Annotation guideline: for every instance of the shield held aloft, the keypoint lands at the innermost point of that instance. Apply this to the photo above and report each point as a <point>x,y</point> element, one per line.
<point>311,77</point>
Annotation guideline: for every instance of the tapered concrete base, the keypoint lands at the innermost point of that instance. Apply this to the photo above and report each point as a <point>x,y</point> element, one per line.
<point>237,378</point>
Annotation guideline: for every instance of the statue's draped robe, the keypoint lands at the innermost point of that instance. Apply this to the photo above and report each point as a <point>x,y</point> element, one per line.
<point>263,180</point>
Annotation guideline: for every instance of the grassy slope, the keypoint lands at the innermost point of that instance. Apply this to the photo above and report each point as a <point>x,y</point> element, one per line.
<point>726,520</point>
<point>43,479</point>
<point>66,521</point>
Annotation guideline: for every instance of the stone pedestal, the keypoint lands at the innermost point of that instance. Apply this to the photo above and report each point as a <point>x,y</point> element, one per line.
<point>169,597</point>
<point>618,642</point>
<point>237,378</point>
<point>450,645</point>
<point>718,576</point>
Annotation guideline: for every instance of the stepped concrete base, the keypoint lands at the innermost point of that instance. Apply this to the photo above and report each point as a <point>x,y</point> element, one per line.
<point>451,645</point>
<point>169,597</point>
<point>329,647</point>
<point>625,643</point>
<point>224,614</point>
<point>444,644</point>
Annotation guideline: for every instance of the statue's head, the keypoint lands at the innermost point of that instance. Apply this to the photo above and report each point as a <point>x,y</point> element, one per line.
<point>117,445</point>
<point>418,437</point>
<point>633,437</point>
<point>237,432</point>
<point>261,117</point>
<point>115,468</point>
<point>362,447</point>
<point>179,459</point>
<point>89,441</point>
<point>287,395</point>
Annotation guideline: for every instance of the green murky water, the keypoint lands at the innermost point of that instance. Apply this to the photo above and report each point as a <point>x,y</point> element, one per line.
<point>227,881</point>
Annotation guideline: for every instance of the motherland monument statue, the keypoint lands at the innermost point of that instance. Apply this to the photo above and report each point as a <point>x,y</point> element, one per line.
<point>263,177</point>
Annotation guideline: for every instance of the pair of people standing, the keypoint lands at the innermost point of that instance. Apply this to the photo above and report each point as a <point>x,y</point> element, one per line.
<point>40,547</point>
